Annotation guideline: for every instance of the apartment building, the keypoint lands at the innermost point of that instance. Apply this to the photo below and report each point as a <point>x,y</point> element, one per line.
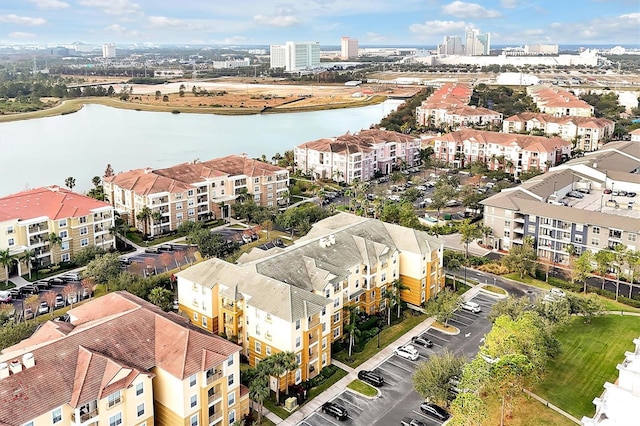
<point>194,191</point>
<point>295,56</point>
<point>511,152</point>
<point>348,48</point>
<point>121,361</point>
<point>28,218</point>
<point>555,101</point>
<point>587,133</point>
<point>362,155</point>
<point>293,299</point>
<point>541,209</point>
<point>635,135</point>
<point>448,107</point>
<point>618,403</point>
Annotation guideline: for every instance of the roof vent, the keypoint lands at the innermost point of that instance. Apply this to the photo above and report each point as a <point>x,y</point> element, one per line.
<point>4,370</point>
<point>15,366</point>
<point>332,239</point>
<point>324,242</point>
<point>28,360</point>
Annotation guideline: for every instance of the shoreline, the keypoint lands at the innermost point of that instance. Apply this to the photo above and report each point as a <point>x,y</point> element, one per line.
<point>69,106</point>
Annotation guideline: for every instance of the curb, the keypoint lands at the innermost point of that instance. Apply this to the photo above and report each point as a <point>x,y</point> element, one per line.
<point>363,395</point>
<point>450,333</point>
<point>494,294</point>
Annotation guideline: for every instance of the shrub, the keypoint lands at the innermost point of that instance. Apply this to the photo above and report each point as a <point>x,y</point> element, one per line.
<point>494,268</point>
<point>368,324</point>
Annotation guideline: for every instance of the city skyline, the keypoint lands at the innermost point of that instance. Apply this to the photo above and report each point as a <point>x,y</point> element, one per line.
<point>251,22</point>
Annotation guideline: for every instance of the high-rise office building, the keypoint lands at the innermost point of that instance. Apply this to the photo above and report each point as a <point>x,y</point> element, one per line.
<point>452,45</point>
<point>348,48</point>
<point>108,50</point>
<point>476,44</point>
<point>295,56</point>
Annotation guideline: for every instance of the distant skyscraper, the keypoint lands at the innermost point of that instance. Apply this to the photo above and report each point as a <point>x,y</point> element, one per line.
<point>452,45</point>
<point>348,48</point>
<point>108,50</point>
<point>476,44</point>
<point>295,56</point>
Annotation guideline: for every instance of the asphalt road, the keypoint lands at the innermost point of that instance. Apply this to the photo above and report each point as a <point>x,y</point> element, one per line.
<point>398,399</point>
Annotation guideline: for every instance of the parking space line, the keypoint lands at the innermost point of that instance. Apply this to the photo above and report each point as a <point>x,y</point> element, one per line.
<point>460,322</point>
<point>389,373</point>
<point>399,366</point>
<point>421,414</point>
<point>324,418</point>
<point>349,402</point>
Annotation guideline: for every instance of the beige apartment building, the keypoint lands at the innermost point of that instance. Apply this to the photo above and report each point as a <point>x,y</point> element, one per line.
<point>541,207</point>
<point>586,133</point>
<point>194,191</point>
<point>294,299</point>
<point>28,218</point>
<point>121,361</point>
<point>555,101</point>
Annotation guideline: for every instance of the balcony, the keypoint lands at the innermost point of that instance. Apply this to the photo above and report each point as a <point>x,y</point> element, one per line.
<point>313,338</point>
<point>215,413</point>
<point>213,375</point>
<point>232,305</point>
<point>159,201</point>
<point>201,190</point>
<point>214,394</point>
<point>39,228</point>
<point>80,417</point>
<point>313,353</point>
<point>315,320</point>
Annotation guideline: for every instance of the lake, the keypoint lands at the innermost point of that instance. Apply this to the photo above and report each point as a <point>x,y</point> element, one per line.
<point>45,151</point>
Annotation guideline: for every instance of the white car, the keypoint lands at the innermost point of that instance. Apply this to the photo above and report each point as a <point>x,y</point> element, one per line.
<point>407,351</point>
<point>471,307</point>
<point>557,292</point>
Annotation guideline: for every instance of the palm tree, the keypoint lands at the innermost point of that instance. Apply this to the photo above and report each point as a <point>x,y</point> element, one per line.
<point>157,219</point>
<point>603,258</point>
<point>259,391</point>
<point>633,262</point>
<point>54,240</point>
<point>337,175</point>
<point>144,215</point>
<point>397,287</point>
<point>6,260</point>
<point>281,363</point>
<point>387,296</point>
<point>70,182</point>
<point>28,256</point>
<point>351,328</point>
<point>96,181</point>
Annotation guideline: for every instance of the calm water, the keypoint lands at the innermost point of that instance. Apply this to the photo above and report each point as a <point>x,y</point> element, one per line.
<point>45,151</point>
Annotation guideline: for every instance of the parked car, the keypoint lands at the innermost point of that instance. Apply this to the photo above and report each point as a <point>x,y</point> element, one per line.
<point>434,410</point>
<point>371,378</point>
<point>335,410</point>
<point>5,296</point>
<point>28,313</point>
<point>59,302</point>
<point>71,276</point>
<point>408,421</point>
<point>407,352</point>
<point>43,308</point>
<point>583,190</point>
<point>419,340</point>
<point>471,307</point>
<point>55,281</point>
<point>631,194</point>
<point>72,298</point>
<point>165,247</point>
<point>43,283</point>
<point>575,194</point>
<point>15,293</point>
<point>151,250</point>
<point>30,289</point>
<point>557,292</point>
<point>607,191</point>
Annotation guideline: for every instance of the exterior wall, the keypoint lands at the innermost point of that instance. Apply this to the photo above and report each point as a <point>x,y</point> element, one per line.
<point>198,302</point>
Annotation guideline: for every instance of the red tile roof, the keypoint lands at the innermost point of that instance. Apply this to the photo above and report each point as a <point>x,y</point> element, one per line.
<point>52,202</point>
<point>362,141</point>
<point>584,122</point>
<point>525,142</point>
<point>117,336</point>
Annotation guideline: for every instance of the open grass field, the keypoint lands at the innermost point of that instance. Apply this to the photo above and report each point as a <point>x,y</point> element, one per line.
<point>526,412</point>
<point>589,357</point>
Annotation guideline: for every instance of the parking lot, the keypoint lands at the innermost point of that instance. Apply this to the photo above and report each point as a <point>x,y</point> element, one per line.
<point>147,264</point>
<point>398,399</point>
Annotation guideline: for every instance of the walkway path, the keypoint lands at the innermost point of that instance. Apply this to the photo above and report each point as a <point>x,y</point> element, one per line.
<point>553,407</point>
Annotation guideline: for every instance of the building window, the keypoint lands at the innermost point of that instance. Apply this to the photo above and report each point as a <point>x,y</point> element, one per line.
<point>298,342</point>
<point>195,314</point>
<point>190,193</point>
<point>84,242</point>
<point>83,231</point>
<point>258,347</point>
<point>230,360</point>
<point>115,420</point>
<point>64,234</point>
<point>336,332</point>
<point>56,415</point>
<point>178,206</point>
<point>11,242</point>
<point>140,410</point>
<point>231,399</point>
<point>230,380</point>
<point>193,421</point>
<point>632,237</point>
<point>324,358</point>
<point>193,380</point>
<point>65,257</point>
<point>336,302</point>
<point>324,343</point>
<point>299,358</point>
<point>139,389</point>
<point>595,241</point>
<point>596,229</point>
<point>268,350</point>
<point>193,401</point>
<point>336,317</point>
<point>191,212</point>
<point>114,399</point>
<point>297,324</point>
<point>62,223</point>
<point>232,417</point>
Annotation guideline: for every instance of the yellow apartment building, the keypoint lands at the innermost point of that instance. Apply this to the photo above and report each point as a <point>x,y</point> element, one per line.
<point>121,361</point>
<point>28,218</point>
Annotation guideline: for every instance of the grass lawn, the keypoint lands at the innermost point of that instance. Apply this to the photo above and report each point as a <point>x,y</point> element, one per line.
<point>388,335</point>
<point>363,388</point>
<point>494,289</point>
<point>526,412</point>
<point>313,392</point>
<point>6,286</point>
<point>589,357</point>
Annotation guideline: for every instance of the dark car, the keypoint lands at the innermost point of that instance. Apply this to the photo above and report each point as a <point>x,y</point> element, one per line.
<point>15,293</point>
<point>56,280</point>
<point>408,421</point>
<point>371,378</point>
<point>419,340</point>
<point>335,410</point>
<point>434,410</point>
<point>30,289</point>
<point>165,247</point>
<point>43,283</point>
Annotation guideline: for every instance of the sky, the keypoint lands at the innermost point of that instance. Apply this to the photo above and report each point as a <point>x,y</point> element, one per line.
<point>264,22</point>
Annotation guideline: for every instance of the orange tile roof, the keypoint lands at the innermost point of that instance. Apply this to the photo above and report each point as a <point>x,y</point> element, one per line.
<point>362,141</point>
<point>525,142</point>
<point>234,165</point>
<point>585,122</point>
<point>52,202</point>
<point>116,336</point>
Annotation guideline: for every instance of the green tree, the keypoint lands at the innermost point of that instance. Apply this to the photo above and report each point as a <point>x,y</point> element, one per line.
<point>443,306</point>
<point>522,258</point>
<point>603,259</point>
<point>103,268</point>
<point>468,409</point>
<point>278,365</point>
<point>468,232</point>
<point>259,391</point>
<point>161,297</point>
<point>29,256</point>
<point>144,215</point>
<point>588,305</point>
<point>432,378</point>
<point>70,182</point>
<point>513,307</point>
<point>6,260</point>
<point>442,194</point>
<point>156,217</point>
<point>397,287</point>
<point>351,328</point>
<point>509,376</point>
<point>582,269</point>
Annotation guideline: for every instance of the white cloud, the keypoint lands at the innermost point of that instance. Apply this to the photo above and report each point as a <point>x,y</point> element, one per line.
<point>112,7</point>
<point>163,21</point>
<point>533,32</point>
<point>463,10</point>
<point>21,35</point>
<point>50,4</point>
<point>122,31</point>
<point>279,21</point>
<point>21,20</point>
<point>438,27</point>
